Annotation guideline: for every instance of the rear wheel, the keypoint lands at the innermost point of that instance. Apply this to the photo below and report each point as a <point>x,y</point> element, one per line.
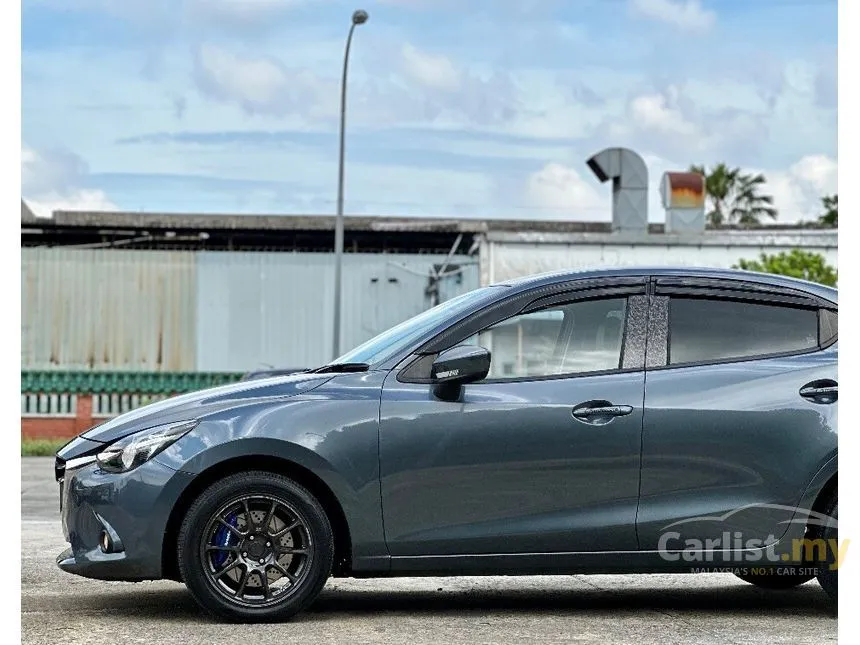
<point>827,573</point>
<point>255,547</point>
<point>774,579</point>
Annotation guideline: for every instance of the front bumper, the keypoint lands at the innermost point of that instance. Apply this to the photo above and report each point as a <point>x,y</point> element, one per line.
<point>132,508</point>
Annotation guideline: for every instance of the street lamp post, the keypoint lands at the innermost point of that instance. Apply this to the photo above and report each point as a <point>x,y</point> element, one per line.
<point>359,17</point>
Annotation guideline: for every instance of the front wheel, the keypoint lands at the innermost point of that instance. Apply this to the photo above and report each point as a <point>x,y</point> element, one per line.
<point>255,546</point>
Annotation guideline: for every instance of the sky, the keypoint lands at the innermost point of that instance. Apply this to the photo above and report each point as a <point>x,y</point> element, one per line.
<point>456,108</point>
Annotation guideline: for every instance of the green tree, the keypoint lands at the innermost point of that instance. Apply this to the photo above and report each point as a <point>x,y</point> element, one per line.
<point>735,197</point>
<point>796,264</point>
<point>830,217</point>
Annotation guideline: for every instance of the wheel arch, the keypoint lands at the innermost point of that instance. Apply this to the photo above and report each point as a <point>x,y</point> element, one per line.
<point>824,495</point>
<point>342,564</point>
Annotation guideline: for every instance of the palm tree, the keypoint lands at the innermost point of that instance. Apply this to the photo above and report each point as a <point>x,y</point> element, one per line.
<point>830,217</point>
<point>749,205</point>
<point>719,186</point>
<point>735,197</point>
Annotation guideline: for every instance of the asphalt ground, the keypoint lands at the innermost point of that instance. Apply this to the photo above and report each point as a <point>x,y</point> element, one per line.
<point>707,608</point>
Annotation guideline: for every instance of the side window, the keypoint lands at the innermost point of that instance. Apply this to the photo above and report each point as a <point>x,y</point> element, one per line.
<point>573,338</point>
<point>828,326</point>
<point>702,330</point>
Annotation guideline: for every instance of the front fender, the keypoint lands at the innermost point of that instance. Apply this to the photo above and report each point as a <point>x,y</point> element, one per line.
<point>333,432</point>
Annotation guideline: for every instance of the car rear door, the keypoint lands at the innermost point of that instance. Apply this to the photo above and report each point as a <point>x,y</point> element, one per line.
<point>740,410</point>
<point>542,456</point>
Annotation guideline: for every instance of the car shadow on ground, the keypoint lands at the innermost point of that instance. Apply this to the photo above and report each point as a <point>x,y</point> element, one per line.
<point>743,600</point>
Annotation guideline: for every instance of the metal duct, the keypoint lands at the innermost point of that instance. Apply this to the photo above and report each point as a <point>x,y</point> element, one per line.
<point>683,195</point>
<point>629,176</point>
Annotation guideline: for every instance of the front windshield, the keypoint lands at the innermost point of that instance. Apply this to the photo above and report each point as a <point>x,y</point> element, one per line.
<point>401,336</point>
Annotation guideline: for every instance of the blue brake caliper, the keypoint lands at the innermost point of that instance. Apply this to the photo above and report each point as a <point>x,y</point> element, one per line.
<point>223,537</point>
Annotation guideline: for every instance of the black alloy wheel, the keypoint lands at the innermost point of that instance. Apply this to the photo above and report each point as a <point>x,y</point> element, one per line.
<point>255,547</point>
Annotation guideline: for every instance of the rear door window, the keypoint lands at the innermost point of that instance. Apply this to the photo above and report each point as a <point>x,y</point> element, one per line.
<point>707,330</point>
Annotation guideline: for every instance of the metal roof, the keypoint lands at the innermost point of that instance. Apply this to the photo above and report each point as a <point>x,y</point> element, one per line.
<point>369,234</point>
<point>307,222</point>
<point>311,222</point>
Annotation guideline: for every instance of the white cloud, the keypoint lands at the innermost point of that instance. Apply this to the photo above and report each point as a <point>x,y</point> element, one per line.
<point>432,71</point>
<point>660,113</point>
<point>258,83</point>
<point>228,15</point>
<point>655,123</point>
<point>80,200</point>
<point>50,181</point>
<point>797,192</point>
<point>234,14</point>
<point>262,85</point>
<point>819,171</point>
<point>562,192</point>
<point>686,15</point>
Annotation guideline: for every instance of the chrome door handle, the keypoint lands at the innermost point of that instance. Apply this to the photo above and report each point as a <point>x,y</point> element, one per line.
<point>587,412</point>
<point>592,411</point>
<point>819,391</point>
<point>823,391</point>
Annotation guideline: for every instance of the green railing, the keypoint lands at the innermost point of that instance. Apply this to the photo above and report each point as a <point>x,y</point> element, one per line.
<point>150,383</point>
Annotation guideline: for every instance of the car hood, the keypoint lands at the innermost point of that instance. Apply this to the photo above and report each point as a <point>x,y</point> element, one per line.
<point>196,404</point>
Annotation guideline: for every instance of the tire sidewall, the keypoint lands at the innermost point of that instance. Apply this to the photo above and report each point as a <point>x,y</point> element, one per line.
<point>828,578</point>
<point>210,501</point>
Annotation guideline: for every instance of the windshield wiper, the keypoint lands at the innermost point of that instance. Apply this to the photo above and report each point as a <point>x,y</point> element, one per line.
<point>341,368</point>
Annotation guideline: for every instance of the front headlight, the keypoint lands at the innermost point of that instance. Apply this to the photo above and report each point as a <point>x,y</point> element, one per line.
<point>132,451</point>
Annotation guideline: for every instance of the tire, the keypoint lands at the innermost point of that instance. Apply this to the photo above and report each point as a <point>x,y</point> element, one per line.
<point>827,577</point>
<point>255,547</point>
<point>775,581</point>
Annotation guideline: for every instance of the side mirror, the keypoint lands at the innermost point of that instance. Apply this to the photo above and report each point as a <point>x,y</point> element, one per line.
<point>458,366</point>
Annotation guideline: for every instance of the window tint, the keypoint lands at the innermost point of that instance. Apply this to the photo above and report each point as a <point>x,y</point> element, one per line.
<point>828,322</point>
<point>710,330</point>
<point>584,336</point>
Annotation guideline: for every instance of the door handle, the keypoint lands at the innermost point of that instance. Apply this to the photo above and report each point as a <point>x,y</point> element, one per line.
<point>823,391</point>
<point>594,410</point>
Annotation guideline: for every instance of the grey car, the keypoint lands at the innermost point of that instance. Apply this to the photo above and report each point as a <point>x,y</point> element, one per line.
<point>612,421</point>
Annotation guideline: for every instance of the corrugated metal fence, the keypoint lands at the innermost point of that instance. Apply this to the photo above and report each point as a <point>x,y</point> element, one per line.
<point>98,309</point>
<point>212,311</point>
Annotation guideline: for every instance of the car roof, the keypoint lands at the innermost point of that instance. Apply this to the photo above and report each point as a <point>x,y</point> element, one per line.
<point>823,291</point>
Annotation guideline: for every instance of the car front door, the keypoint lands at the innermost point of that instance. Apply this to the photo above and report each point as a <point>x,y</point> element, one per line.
<point>542,456</point>
<point>733,430</point>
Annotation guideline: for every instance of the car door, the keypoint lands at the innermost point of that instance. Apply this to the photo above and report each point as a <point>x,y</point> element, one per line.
<point>541,456</point>
<point>740,412</point>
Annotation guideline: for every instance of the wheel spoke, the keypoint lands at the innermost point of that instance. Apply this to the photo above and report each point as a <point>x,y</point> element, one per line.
<point>264,579</point>
<point>286,529</point>
<point>283,571</point>
<point>240,590</point>
<point>232,528</point>
<point>269,516</point>
<point>229,567</point>
<point>288,550</point>
<point>218,547</point>
<point>248,518</point>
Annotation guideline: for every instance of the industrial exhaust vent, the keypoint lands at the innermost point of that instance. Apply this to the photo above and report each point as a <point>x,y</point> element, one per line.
<point>629,176</point>
<point>683,195</point>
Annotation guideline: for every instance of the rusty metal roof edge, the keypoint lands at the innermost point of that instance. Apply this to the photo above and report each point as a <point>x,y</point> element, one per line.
<point>320,222</point>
